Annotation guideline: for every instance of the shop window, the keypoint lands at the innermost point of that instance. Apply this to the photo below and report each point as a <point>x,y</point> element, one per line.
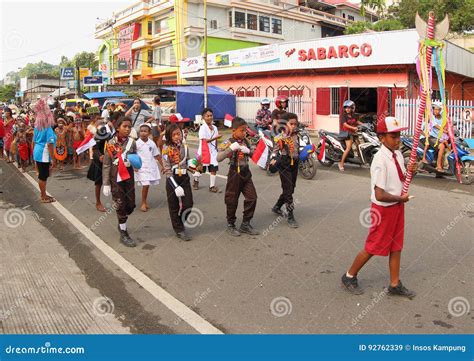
<point>264,22</point>
<point>231,23</point>
<point>164,57</point>
<point>213,24</point>
<point>350,17</point>
<point>252,22</point>
<point>276,26</point>
<point>335,101</point>
<point>137,60</point>
<point>344,15</point>
<point>239,19</point>
<point>150,58</point>
<point>161,25</point>
<point>150,28</point>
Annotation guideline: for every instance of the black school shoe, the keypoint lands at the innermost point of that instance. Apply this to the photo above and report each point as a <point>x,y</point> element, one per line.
<point>277,210</point>
<point>126,240</point>
<point>246,228</point>
<point>232,230</point>
<point>351,285</point>
<point>401,290</point>
<point>183,236</point>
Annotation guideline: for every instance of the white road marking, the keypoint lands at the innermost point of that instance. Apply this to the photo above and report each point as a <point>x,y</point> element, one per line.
<point>173,304</point>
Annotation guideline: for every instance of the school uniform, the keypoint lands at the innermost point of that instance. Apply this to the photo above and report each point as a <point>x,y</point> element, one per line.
<point>387,229</point>
<point>286,149</point>
<point>239,181</point>
<point>149,173</point>
<point>206,132</point>
<point>175,163</point>
<point>123,192</point>
<point>94,172</point>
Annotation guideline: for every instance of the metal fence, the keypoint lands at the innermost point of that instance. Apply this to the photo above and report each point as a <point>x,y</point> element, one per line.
<point>458,110</point>
<point>247,108</point>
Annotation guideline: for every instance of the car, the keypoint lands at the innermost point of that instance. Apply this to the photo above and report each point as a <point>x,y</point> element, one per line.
<point>127,101</point>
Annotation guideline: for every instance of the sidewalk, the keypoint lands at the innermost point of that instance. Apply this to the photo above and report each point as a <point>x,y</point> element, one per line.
<point>42,291</point>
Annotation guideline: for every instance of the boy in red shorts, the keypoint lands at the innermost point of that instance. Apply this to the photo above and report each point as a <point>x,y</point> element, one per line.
<point>386,234</point>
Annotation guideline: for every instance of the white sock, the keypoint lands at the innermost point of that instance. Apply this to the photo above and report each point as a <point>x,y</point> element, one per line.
<point>348,275</point>
<point>123,226</point>
<point>213,180</point>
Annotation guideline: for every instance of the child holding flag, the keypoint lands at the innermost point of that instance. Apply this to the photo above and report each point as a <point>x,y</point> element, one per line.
<point>178,186</point>
<point>117,176</point>
<point>239,179</point>
<point>285,157</point>
<point>208,136</point>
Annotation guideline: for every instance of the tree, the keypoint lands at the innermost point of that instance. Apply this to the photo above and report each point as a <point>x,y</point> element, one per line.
<point>358,27</point>
<point>32,69</point>
<point>460,12</point>
<point>85,60</point>
<point>7,92</point>
<point>377,5</point>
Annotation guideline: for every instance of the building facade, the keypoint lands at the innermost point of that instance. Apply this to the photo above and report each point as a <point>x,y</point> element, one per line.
<point>152,36</point>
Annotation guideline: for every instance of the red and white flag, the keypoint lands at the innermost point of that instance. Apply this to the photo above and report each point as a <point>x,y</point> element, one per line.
<point>228,120</point>
<point>87,143</point>
<point>322,151</point>
<point>205,152</point>
<point>260,155</point>
<point>122,173</point>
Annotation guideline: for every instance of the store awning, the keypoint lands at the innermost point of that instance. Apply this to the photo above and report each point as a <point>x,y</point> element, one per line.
<point>103,95</point>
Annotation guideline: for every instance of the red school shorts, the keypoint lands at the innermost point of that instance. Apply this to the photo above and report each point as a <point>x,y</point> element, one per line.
<point>387,229</point>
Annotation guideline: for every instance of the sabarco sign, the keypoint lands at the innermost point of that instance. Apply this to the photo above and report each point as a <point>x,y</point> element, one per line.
<point>331,52</point>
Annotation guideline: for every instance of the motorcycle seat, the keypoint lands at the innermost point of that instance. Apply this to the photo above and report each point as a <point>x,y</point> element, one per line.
<point>336,135</point>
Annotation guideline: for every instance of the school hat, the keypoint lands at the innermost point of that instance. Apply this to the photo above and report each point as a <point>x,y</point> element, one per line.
<point>389,125</point>
<point>178,118</point>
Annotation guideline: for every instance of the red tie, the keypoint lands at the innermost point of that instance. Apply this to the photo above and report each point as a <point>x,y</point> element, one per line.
<point>399,169</point>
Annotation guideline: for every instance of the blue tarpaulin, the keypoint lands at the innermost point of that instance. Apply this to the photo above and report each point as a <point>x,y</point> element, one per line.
<point>190,100</point>
<point>105,95</point>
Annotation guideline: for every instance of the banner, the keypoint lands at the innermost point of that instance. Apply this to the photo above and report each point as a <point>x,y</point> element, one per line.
<point>68,73</point>
<point>84,72</point>
<point>93,80</point>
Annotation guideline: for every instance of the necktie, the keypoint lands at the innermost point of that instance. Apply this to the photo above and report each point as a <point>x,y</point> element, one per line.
<point>399,169</point>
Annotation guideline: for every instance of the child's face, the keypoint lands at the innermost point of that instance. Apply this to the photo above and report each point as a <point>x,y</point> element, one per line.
<point>240,132</point>
<point>176,136</point>
<point>348,110</point>
<point>391,140</point>
<point>436,112</point>
<point>292,124</point>
<point>208,116</point>
<point>144,133</point>
<point>125,129</point>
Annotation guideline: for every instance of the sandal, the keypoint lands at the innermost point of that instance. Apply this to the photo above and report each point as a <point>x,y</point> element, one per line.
<point>341,168</point>
<point>48,199</point>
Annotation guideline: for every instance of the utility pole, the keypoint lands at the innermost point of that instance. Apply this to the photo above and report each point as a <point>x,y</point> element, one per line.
<point>205,53</point>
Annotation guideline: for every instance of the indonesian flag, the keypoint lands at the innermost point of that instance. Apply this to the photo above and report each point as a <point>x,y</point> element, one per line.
<point>228,120</point>
<point>322,151</point>
<point>87,143</point>
<point>205,152</point>
<point>122,174</point>
<point>260,155</point>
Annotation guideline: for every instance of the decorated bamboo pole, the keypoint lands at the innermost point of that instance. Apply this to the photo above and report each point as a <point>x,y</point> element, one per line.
<point>421,109</point>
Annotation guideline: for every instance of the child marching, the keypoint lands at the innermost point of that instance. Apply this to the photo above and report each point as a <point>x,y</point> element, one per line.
<point>285,159</point>
<point>178,186</point>
<point>149,174</point>
<point>117,176</point>
<point>239,179</point>
<point>386,233</point>
<point>208,136</point>
<point>60,150</point>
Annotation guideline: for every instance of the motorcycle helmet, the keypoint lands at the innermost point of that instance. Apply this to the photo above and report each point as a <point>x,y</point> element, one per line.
<point>437,104</point>
<point>281,99</point>
<point>348,104</point>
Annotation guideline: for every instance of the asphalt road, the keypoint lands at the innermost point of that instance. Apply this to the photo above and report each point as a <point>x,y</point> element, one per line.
<point>285,280</point>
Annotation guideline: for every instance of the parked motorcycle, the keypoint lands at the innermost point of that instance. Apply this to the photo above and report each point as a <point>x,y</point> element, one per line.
<point>365,146</point>
<point>465,149</point>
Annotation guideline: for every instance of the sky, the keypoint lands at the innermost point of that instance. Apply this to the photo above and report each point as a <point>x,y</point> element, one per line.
<point>37,30</point>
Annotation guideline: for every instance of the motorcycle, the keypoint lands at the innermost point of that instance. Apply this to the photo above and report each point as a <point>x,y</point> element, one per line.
<point>465,149</point>
<point>307,166</point>
<point>333,145</point>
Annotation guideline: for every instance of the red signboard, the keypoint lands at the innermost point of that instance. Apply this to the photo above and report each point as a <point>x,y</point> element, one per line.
<point>125,36</point>
<point>331,52</point>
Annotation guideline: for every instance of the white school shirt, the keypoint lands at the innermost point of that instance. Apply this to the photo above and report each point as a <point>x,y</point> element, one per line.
<point>384,174</point>
<point>206,133</point>
<point>147,152</point>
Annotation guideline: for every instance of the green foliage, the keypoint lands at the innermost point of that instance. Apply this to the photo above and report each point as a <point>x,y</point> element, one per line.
<point>7,92</point>
<point>381,25</point>
<point>358,27</point>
